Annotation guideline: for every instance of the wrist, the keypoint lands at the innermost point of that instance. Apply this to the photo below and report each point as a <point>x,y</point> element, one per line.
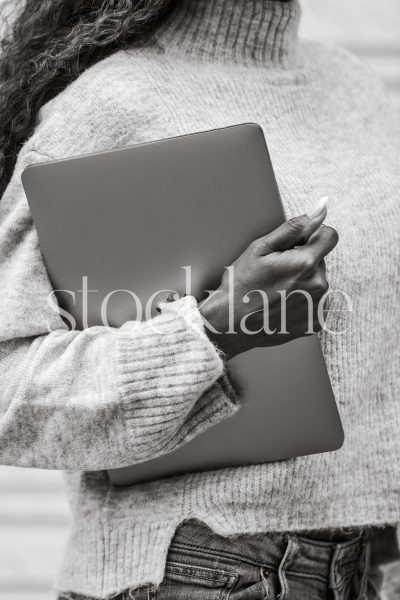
<point>214,311</point>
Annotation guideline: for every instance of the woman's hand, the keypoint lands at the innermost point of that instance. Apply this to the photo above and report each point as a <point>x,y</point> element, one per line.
<point>247,310</point>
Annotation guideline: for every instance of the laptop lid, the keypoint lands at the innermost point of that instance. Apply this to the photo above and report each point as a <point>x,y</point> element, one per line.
<point>137,219</point>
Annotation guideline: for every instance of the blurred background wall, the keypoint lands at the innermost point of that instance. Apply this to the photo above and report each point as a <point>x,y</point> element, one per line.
<point>33,509</point>
<point>368,28</point>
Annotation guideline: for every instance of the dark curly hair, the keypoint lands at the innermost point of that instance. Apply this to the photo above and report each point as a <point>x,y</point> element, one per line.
<point>49,43</point>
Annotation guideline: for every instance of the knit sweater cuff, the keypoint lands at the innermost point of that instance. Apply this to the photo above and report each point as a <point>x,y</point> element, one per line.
<point>172,381</point>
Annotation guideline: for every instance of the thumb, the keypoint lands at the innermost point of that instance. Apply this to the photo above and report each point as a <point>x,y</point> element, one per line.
<point>294,232</point>
<point>291,233</point>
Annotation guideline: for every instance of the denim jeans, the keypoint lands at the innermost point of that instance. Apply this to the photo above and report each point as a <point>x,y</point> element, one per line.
<point>204,566</point>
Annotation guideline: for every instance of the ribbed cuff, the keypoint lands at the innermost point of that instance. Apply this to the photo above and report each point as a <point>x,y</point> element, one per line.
<point>171,380</point>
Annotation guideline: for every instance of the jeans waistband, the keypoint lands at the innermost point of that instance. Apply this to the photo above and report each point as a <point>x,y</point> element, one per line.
<point>324,559</point>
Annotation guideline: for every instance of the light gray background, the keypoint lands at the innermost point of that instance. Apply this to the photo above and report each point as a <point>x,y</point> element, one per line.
<point>33,508</point>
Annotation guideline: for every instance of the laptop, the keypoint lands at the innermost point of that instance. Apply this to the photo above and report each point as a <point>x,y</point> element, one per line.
<point>134,219</point>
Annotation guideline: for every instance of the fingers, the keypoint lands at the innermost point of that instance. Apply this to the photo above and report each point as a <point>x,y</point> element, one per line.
<point>320,244</point>
<point>322,268</point>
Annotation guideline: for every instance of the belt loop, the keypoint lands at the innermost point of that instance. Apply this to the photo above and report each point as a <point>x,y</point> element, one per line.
<point>265,577</point>
<point>291,550</point>
<point>366,558</point>
<point>333,570</point>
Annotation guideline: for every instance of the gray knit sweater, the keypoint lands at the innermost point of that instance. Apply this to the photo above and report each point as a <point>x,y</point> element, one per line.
<point>86,401</point>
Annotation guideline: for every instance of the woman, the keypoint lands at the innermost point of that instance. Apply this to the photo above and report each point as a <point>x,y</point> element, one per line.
<point>89,75</point>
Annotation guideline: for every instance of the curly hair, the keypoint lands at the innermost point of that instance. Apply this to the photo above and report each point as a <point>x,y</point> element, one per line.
<point>49,43</point>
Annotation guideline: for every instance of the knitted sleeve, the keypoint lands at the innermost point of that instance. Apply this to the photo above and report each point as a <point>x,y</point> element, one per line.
<point>102,397</point>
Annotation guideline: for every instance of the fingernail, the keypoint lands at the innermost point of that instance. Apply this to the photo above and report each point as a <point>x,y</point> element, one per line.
<point>318,207</point>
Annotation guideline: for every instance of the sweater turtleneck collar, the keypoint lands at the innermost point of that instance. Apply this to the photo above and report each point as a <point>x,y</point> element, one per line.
<point>242,31</point>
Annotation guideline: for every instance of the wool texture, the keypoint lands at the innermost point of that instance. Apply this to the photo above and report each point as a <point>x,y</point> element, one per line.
<point>87,401</point>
